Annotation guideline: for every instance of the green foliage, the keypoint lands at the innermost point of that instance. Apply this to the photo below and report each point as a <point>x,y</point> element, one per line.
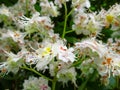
<point>88,83</point>
<point>96,5</point>
<point>8,2</point>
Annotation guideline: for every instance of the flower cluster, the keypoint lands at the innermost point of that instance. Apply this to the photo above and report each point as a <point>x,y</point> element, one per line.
<point>29,42</point>
<point>106,61</point>
<point>36,84</point>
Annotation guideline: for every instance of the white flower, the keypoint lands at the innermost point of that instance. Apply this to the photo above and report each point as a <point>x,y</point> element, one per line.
<point>48,8</point>
<point>14,61</point>
<point>34,83</point>
<point>42,22</point>
<point>86,23</point>
<point>107,60</point>
<point>13,57</point>
<point>53,35</point>
<point>87,3</point>
<point>60,2</point>
<point>81,3</point>
<point>21,6</point>
<point>93,45</point>
<point>17,36</point>
<point>31,58</point>
<point>110,17</point>
<point>43,62</point>
<point>33,1</point>
<point>65,73</point>
<point>49,49</point>
<point>5,11</point>
<point>66,55</point>
<point>45,54</point>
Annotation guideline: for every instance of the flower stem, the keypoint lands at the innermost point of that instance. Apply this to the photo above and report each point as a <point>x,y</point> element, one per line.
<point>117,80</point>
<point>54,83</point>
<point>27,5</point>
<point>70,12</point>
<point>66,18</point>
<point>33,70</point>
<point>65,22</point>
<point>54,80</point>
<point>79,61</point>
<point>70,31</point>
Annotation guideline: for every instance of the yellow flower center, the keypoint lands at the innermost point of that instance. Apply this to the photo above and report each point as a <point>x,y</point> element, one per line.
<point>46,51</point>
<point>109,18</point>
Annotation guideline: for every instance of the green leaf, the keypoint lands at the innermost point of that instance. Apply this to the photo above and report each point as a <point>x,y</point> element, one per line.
<point>71,39</point>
